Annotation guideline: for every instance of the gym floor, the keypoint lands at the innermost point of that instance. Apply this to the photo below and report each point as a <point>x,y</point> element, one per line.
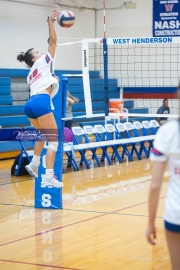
<point>102,224</point>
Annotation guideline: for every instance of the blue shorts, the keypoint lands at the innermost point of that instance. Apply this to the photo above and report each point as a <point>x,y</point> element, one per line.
<point>38,105</point>
<point>172,227</point>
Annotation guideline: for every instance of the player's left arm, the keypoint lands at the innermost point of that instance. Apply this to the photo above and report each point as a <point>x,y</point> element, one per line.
<point>156,183</point>
<point>159,156</point>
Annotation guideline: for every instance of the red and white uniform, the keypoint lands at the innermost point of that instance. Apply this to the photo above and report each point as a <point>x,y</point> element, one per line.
<point>167,148</point>
<point>40,77</point>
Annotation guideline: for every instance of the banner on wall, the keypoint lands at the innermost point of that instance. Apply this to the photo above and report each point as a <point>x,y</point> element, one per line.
<point>166,18</point>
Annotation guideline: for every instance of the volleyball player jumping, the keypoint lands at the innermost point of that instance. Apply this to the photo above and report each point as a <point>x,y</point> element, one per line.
<point>43,87</point>
<point>167,149</point>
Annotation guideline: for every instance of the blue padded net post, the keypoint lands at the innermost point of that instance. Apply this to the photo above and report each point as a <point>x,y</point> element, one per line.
<point>105,57</point>
<point>51,198</point>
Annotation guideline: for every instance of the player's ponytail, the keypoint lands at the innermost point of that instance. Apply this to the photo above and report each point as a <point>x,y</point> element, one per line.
<point>26,57</point>
<point>20,57</point>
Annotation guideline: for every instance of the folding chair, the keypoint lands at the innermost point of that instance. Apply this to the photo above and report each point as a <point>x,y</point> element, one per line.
<point>68,150</point>
<point>109,142</point>
<point>100,144</point>
<point>130,133</point>
<point>140,132</point>
<point>147,128</point>
<point>111,130</point>
<point>89,130</point>
<point>148,131</point>
<point>24,153</point>
<point>78,131</point>
<point>91,146</point>
<point>155,126</point>
<point>121,142</point>
<point>130,143</point>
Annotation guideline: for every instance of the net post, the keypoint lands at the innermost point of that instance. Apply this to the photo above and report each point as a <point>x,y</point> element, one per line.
<point>105,57</point>
<point>51,198</point>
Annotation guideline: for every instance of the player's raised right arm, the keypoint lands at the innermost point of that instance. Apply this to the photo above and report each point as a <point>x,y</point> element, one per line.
<point>52,33</point>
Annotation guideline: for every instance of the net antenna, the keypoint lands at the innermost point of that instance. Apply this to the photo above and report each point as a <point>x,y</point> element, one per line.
<point>104,8</point>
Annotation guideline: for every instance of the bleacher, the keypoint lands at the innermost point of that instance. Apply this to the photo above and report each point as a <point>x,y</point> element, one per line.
<point>14,93</point>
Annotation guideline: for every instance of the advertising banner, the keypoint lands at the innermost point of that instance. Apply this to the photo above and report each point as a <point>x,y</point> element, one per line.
<point>166,18</point>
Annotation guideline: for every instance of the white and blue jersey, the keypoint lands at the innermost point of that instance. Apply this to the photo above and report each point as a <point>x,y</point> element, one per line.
<point>40,77</point>
<point>167,148</point>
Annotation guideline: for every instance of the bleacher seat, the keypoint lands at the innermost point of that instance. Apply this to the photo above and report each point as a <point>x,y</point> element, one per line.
<point>14,120</point>
<point>5,86</point>
<point>93,82</point>
<point>11,110</point>
<point>5,100</point>
<point>4,90</point>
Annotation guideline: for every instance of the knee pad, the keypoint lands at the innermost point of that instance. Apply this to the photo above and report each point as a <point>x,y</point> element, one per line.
<point>53,146</point>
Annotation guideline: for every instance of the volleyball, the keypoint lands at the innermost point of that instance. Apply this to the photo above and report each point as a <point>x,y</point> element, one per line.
<point>66,19</point>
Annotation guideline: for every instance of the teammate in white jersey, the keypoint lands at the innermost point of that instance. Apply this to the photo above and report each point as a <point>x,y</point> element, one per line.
<point>167,150</point>
<point>43,87</point>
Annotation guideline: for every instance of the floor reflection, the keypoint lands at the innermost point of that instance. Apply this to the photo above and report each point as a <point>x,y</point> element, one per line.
<point>115,181</point>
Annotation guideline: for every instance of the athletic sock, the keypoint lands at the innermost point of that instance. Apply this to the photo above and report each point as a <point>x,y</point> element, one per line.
<point>49,173</point>
<point>36,160</point>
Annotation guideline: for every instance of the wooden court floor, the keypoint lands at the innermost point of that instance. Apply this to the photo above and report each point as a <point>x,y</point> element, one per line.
<point>101,227</point>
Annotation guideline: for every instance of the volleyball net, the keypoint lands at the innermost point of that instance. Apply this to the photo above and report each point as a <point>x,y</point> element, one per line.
<point>140,72</point>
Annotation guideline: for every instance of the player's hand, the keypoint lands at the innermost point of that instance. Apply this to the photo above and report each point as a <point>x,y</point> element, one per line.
<point>53,16</point>
<point>151,234</point>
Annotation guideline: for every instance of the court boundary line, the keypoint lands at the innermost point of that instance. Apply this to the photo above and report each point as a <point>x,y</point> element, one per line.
<point>85,211</point>
<point>5,184</point>
<point>11,204</point>
<point>38,264</point>
<point>108,213</point>
<point>74,223</point>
